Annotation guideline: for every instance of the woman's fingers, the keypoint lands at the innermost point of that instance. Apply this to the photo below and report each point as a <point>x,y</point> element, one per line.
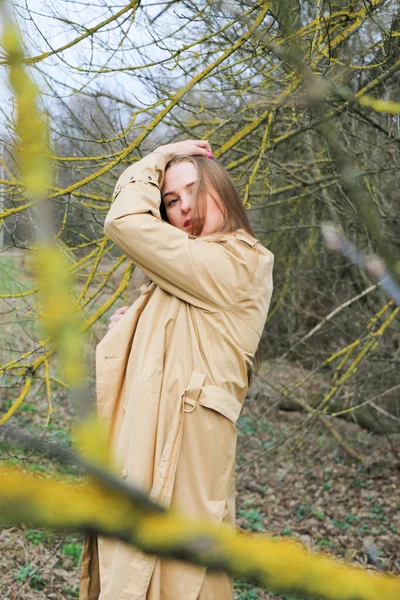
<point>199,147</point>
<point>121,310</point>
<point>186,147</point>
<point>204,144</point>
<point>119,313</point>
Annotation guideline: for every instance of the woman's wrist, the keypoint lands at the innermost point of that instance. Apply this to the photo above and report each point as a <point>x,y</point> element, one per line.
<point>158,152</point>
<point>167,155</point>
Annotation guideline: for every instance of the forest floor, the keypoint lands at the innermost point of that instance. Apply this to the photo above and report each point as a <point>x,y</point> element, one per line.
<point>314,492</point>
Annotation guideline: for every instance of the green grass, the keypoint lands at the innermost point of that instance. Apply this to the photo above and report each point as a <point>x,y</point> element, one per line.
<point>319,514</point>
<point>73,551</point>
<point>35,536</point>
<point>245,591</point>
<point>70,594</point>
<point>254,519</point>
<point>27,571</point>
<point>245,426</point>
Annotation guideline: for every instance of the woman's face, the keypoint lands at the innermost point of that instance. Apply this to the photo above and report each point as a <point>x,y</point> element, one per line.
<point>176,193</point>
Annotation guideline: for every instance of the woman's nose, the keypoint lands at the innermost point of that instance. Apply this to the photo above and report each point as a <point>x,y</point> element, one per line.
<point>185,204</point>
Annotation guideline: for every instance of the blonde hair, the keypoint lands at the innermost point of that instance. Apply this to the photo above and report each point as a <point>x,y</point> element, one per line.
<point>213,177</point>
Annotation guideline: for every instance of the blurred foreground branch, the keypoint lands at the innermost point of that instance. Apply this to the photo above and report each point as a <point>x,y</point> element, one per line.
<point>373,265</point>
<point>111,511</point>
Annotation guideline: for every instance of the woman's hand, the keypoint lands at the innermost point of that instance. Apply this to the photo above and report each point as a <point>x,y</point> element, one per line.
<point>191,147</point>
<point>117,316</point>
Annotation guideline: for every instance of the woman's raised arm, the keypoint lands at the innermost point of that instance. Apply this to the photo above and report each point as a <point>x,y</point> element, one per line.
<point>210,274</point>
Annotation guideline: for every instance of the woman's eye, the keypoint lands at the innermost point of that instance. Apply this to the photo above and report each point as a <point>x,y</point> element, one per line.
<point>172,201</point>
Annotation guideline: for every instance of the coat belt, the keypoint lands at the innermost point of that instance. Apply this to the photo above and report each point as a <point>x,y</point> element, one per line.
<point>209,396</point>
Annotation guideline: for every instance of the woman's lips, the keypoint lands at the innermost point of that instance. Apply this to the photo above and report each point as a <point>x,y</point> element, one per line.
<point>187,223</point>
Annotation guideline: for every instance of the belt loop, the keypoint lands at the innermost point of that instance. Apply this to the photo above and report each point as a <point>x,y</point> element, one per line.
<point>193,390</point>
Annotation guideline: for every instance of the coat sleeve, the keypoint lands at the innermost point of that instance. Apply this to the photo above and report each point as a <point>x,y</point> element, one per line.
<point>209,274</point>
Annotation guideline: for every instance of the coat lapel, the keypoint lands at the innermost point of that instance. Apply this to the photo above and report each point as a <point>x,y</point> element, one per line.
<point>112,355</point>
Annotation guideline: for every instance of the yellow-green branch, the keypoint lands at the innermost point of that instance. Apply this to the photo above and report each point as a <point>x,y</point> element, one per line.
<point>281,565</point>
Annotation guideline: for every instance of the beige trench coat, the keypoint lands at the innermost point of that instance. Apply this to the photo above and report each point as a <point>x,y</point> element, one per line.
<point>171,380</point>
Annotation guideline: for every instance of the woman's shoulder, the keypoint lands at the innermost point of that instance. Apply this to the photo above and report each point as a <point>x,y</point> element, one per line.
<point>245,250</point>
<point>241,236</point>
<point>239,239</point>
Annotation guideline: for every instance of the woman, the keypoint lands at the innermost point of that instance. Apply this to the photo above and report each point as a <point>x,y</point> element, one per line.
<point>173,372</point>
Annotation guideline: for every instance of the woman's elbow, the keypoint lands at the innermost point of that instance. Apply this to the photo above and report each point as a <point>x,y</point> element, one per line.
<point>114,226</point>
<point>121,230</point>
<point>109,225</point>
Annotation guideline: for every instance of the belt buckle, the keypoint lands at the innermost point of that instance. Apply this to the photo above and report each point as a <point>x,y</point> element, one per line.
<point>193,389</point>
<point>189,401</point>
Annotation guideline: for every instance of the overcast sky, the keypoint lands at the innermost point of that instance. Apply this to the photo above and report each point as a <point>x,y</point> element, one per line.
<point>42,32</point>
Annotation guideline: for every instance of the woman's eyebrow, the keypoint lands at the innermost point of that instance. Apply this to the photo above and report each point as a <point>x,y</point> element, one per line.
<point>175,193</point>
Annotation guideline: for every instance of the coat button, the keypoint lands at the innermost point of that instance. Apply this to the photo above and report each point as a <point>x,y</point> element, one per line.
<point>117,190</point>
<point>144,289</point>
<point>124,473</point>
